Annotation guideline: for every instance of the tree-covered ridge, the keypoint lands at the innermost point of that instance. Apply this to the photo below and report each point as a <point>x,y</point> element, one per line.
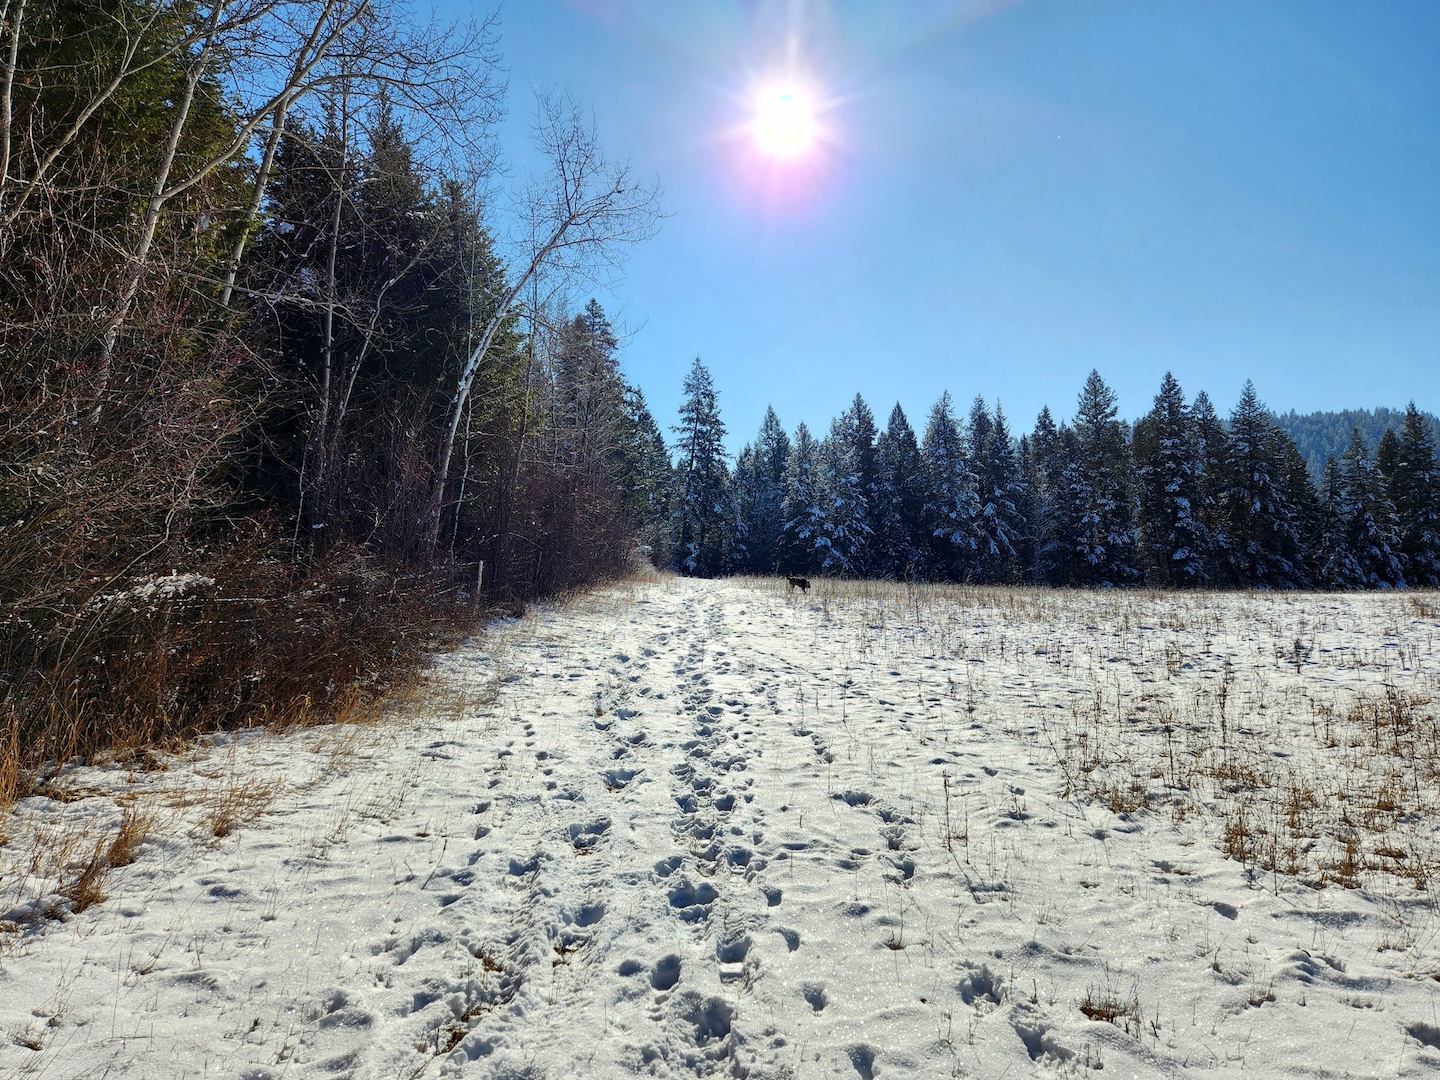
<point>1323,435</point>
<point>1180,499</point>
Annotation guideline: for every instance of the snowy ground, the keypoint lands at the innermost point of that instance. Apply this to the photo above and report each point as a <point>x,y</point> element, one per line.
<point>709,828</point>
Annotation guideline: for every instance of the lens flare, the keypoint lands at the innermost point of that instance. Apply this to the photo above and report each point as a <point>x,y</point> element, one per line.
<point>785,124</point>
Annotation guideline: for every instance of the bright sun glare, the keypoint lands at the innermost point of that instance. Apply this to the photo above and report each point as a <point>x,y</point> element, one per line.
<point>784,121</point>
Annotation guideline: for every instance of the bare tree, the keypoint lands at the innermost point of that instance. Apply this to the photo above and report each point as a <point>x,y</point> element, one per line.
<point>575,218</point>
<point>7,84</point>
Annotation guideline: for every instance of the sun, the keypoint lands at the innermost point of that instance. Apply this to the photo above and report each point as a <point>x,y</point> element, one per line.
<point>785,125</point>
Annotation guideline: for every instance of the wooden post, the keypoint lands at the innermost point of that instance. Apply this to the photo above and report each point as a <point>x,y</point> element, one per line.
<point>479,579</point>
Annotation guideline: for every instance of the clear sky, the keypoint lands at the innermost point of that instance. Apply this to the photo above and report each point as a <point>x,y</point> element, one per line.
<point>1000,196</point>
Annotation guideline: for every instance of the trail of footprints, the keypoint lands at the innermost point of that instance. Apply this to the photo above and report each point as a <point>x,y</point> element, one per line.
<point>525,926</point>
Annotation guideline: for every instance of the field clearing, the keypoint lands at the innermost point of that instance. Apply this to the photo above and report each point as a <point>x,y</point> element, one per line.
<point>717,828</point>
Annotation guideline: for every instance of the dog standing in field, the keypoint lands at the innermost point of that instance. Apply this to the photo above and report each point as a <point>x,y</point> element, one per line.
<point>801,583</point>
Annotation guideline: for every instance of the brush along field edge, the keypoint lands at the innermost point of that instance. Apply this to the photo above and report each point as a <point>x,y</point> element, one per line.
<point>708,828</point>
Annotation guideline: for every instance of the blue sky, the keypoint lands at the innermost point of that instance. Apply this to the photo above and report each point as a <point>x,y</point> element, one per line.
<point>1009,194</point>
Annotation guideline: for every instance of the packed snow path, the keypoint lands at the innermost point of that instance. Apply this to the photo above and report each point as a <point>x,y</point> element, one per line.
<point>709,828</point>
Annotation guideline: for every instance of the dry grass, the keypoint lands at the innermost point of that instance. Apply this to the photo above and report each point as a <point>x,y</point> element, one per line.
<point>1300,731</point>
<point>1109,1006</point>
<point>229,805</point>
<point>240,645</point>
<point>67,859</point>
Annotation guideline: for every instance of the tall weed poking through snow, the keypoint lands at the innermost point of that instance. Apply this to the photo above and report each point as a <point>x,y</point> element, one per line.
<point>1300,731</point>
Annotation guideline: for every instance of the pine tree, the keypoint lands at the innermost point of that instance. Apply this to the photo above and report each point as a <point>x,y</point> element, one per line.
<point>1265,540</point>
<point>1415,489</point>
<point>1169,471</point>
<point>1108,542</point>
<point>900,543</point>
<point>804,509</point>
<point>702,500</point>
<point>951,505</point>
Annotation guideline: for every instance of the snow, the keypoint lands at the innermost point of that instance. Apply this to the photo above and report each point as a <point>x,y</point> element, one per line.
<point>715,828</point>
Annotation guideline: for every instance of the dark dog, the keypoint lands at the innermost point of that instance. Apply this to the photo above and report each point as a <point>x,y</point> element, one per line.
<point>801,583</point>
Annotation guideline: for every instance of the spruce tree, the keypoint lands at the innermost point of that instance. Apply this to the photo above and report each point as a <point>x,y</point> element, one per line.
<point>1338,567</point>
<point>900,544</point>
<point>1073,555</point>
<point>643,474</point>
<point>804,507</point>
<point>760,493</point>
<point>1000,487</point>
<point>701,512</point>
<point>1046,484</point>
<point>744,492</point>
<point>951,504</point>
<point>1212,451</point>
<point>843,542</point>
<point>1415,489</point>
<point>1264,527</point>
<point>1301,493</point>
<point>861,432</point>
<point>1371,531</point>
<point>1108,525</point>
<point>1169,470</point>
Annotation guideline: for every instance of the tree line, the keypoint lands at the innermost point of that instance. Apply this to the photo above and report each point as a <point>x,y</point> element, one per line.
<point>289,374</point>
<point>1180,499</point>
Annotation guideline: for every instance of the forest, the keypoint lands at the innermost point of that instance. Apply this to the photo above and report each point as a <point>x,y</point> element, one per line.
<point>298,380</point>
<point>1180,499</point>
<point>293,384</point>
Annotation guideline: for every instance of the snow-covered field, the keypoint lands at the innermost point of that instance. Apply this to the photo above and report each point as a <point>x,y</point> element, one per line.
<point>712,828</point>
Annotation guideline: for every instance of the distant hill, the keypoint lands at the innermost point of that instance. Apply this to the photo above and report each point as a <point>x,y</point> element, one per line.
<point>1322,434</point>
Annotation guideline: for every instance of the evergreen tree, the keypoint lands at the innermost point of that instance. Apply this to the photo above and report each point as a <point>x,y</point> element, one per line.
<point>951,505</point>
<point>1212,451</point>
<point>804,509</point>
<point>1170,472</point>
<point>1107,540</point>
<point>1300,492</point>
<point>1000,489</point>
<point>900,543</point>
<point>1415,489</point>
<point>590,409</point>
<point>1046,483</point>
<point>1371,532</point>
<point>1264,527</point>
<point>1388,452</point>
<point>643,474</point>
<point>1338,567</point>
<point>744,489</point>
<point>1075,554</point>
<point>702,500</point>
<point>845,531</point>
<point>861,431</point>
<point>1030,509</point>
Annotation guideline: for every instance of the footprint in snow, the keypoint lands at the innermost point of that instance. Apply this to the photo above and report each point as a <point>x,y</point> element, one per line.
<point>666,973</point>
